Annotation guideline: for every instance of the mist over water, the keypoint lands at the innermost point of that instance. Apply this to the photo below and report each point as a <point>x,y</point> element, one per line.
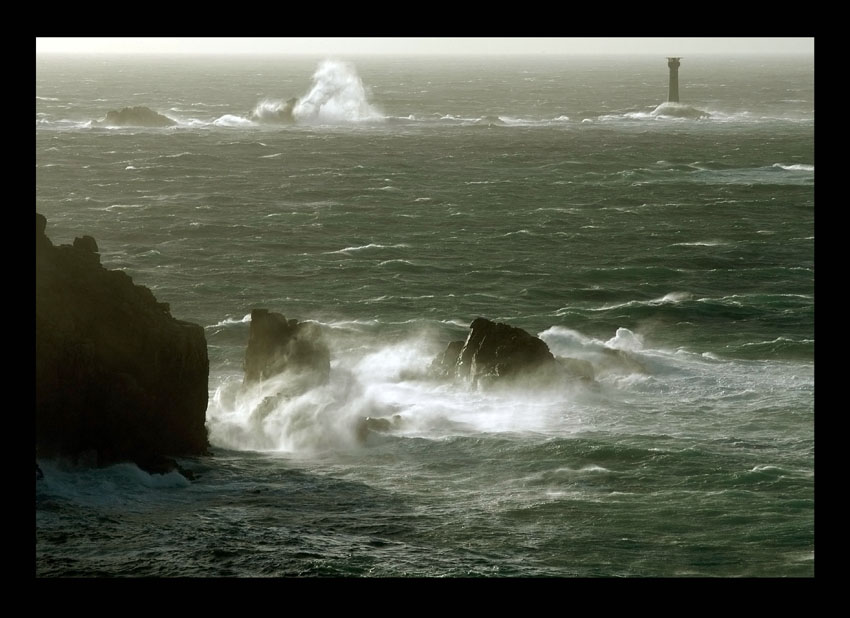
<point>669,261</point>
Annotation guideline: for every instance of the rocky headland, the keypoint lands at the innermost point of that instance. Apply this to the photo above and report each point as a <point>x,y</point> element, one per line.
<point>117,377</point>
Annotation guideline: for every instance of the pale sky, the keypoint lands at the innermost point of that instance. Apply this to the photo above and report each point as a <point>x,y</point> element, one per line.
<point>672,46</point>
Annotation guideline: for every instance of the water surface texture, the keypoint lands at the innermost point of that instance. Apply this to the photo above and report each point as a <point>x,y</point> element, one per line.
<point>407,198</point>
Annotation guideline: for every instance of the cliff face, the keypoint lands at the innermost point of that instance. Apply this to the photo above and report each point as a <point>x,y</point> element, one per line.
<point>116,375</point>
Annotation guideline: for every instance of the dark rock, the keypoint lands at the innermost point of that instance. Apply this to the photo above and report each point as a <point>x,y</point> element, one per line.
<point>578,368</point>
<point>283,114</point>
<point>445,365</point>
<point>368,424</point>
<point>138,116</point>
<point>117,377</point>
<point>159,464</point>
<point>85,244</point>
<point>277,345</point>
<point>497,352</point>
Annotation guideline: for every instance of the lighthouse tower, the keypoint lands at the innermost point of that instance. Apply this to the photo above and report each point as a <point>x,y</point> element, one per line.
<point>673,92</point>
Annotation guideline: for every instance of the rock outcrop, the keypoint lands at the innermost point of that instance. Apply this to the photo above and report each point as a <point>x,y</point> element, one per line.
<point>277,345</point>
<point>277,113</point>
<point>117,377</point>
<point>496,352</point>
<point>139,116</point>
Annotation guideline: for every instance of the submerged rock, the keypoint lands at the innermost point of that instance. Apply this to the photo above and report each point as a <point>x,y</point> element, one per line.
<point>117,377</point>
<point>277,345</point>
<point>138,116</point>
<point>497,352</point>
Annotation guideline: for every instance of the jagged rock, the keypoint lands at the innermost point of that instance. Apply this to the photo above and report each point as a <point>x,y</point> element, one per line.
<point>117,377</point>
<point>85,244</point>
<point>138,116</point>
<point>277,345</point>
<point>493,352</point>
<point>445,365</point>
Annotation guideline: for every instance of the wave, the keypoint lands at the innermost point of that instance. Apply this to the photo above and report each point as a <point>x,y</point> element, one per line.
<point>678,110</point>
<point>231,120</point>
<point>365,247</point>
<point>797,167</point>
<point>274,111</point>
<point>701,243</point>
<point>337,96</point>
<point>380,391</point>
<point>231,321</point>
<point>771,174</point>
<point>123,483</point>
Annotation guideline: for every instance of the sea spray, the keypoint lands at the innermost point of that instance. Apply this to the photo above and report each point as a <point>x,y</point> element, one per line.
<point>337,96</point>
<point>381,387</point>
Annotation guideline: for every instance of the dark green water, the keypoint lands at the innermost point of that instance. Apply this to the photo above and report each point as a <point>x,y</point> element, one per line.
<point>546,194</point>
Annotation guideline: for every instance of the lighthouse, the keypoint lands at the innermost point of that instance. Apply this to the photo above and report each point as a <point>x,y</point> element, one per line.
<point>673,92</point>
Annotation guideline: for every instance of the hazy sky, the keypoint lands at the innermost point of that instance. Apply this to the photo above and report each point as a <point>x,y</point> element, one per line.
<point>674,46</point>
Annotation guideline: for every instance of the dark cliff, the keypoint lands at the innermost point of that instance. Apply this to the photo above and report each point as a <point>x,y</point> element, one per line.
<point>117,377</point>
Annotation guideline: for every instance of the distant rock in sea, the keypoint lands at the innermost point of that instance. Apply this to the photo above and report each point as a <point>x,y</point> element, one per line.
<point>138,116</point>
<point>117,377</point>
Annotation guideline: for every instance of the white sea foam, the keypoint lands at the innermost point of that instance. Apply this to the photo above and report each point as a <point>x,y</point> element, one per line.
<point>626,340</point>
<point>122,484</point>
<point>385,382</point>
<point>337,96</point>
<point>231,120</point>
<point>231,321</point>
<point>365,247</point>
<point>700,243</point>
<point>797,167</point>
<point>122,206</point>
<point>269,110</point>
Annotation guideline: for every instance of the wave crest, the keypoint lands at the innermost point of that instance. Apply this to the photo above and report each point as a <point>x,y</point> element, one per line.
<point>337,96</point>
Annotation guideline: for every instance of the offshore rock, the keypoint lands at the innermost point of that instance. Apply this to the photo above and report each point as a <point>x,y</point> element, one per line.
<point>445,365</point>
<point>497,352</point>
<point>277,345</point>
<point>678,110</point>
<point>278,113</point>
<point>138,116</point>
<point>117,377</point>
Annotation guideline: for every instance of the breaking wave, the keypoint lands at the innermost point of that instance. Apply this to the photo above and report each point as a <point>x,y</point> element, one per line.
<point>337,96</point>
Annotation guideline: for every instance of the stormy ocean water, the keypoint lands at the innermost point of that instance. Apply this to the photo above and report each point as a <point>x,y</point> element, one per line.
<point>407,198</point>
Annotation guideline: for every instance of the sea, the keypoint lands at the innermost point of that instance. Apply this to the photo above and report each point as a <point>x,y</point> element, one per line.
<point>672,253</point>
